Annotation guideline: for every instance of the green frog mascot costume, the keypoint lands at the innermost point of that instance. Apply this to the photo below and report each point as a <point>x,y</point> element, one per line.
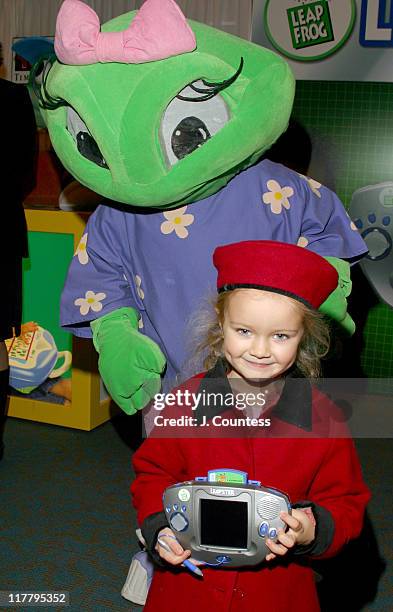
<point>167,119</point>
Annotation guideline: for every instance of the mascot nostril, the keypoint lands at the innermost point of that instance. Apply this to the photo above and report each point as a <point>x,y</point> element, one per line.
<point>188,135</point>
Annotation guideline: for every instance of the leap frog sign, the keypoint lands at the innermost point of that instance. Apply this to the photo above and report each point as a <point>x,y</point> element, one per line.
<point>309,30</point>
<point>348,40</point>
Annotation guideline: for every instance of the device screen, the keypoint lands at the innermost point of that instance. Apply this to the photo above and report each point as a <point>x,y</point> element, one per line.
<point>224,523</point>
<point>388,200</point>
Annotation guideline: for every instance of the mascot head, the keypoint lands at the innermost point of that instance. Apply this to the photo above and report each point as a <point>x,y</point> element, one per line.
<point>155,111</point>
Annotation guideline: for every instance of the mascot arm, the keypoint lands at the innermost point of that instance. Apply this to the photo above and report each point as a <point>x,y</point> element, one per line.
<point>328,230</point>
<point>336,304</point>
<point>101,277</point>
<point>130,364</point>
<point>326,227</point>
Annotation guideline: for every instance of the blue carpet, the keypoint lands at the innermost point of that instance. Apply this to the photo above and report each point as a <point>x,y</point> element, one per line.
<point>67,524</point>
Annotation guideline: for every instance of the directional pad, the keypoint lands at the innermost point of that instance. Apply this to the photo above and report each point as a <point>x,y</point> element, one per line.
<point>178,522</point>
<point>378,242</point>
<point>371,209</point>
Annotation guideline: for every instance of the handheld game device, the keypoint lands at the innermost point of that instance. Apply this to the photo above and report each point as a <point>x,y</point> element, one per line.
<point>225,518</point>
<point>371,209</point>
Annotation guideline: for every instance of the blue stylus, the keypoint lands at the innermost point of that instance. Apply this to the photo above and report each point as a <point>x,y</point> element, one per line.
<point>193,568</point>
<point>190,566</point>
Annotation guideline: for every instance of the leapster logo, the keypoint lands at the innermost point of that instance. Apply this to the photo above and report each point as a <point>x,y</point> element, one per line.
<point>376,23</point>
<point>222,492</point>
<point>308,30</point>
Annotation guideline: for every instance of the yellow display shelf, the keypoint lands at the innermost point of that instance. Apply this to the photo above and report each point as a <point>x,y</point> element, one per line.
<point>86,410</point>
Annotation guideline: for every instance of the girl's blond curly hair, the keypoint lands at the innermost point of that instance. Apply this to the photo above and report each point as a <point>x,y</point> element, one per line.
<point>207,337</point>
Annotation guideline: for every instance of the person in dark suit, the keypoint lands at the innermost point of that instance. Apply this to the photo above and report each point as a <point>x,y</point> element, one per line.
<point>17,179</point>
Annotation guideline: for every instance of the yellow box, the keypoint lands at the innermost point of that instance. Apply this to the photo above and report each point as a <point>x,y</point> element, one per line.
<point>86,410</point>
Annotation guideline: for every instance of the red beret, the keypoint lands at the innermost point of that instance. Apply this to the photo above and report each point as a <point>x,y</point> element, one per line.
<point>275,266</point>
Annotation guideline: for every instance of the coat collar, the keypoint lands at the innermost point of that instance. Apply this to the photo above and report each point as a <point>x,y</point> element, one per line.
<point>294,405</point>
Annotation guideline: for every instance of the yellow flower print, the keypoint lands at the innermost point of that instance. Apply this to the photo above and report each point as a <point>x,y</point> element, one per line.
<point>90,301</point>
<point>302,242</point>
<point>277,196</point>
<point>139,290</point>
<point>81,251</point>
<point>177,221</point>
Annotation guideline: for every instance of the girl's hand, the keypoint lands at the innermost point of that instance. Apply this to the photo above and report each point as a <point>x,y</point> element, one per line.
<point>301,531</point>
<point>175,555</point>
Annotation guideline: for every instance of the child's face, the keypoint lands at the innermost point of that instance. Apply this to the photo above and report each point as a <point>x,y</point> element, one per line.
<point>262,332</point>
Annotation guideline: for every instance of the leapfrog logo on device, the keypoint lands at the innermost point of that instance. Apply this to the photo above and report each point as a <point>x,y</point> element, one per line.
<point>308,30</point>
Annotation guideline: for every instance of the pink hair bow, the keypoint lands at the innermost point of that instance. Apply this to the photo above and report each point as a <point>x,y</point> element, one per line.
<point>158,30</point>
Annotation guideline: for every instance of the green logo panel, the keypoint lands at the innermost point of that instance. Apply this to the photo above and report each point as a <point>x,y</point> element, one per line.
<point>310,24</point>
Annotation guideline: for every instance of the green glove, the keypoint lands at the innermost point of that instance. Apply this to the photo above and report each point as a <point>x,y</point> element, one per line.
<point>130,364</point>
<point>335,306</point>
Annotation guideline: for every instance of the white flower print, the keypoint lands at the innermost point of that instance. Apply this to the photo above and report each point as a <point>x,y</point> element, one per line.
<point>139,290</point>
<point>314,185</point>
<point>140,323</point>
<point>177,221</point>
<point>81,250</point>
<point>277,196</point>
<point>90,301</point>
<point>302,242</point>
<point>352,225</point>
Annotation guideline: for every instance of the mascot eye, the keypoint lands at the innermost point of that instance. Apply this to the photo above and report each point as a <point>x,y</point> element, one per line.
<point>84,141</point>
<point>188,135</point>
<point>187,125</point>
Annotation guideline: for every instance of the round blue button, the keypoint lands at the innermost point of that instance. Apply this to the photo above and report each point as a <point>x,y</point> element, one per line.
<point>273,533</point>
<point>184,508</point>
<point>168,508</point>
<point>372,218</point>
<point>386,221</point>
<point>263,529</point>
<point>358,223</point>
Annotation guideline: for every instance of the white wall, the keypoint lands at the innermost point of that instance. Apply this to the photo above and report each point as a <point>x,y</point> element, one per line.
<point>38,17</point>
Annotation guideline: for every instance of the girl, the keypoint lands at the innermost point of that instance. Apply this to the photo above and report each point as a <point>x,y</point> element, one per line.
<point>267,337</point>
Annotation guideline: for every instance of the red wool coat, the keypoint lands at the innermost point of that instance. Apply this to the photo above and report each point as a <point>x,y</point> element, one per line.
<point>325,471</point>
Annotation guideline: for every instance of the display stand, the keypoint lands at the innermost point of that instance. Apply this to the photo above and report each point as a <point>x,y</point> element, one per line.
<point>87,410</point>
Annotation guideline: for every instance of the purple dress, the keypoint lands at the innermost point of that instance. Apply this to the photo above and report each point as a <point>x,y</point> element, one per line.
<point>160,262</point>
